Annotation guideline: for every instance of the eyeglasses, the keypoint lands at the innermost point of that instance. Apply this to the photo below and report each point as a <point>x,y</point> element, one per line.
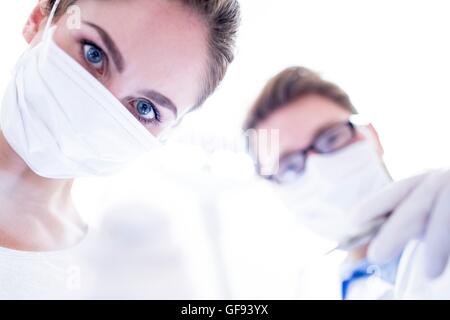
<point>328,141</point>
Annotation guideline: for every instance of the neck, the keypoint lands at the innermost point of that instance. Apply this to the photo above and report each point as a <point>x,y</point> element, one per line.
<point>30,200</point>
<point>19,179</point>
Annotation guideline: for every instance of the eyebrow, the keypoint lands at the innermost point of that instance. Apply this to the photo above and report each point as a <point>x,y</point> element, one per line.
<point>161,99</point>
<point>117,56</point>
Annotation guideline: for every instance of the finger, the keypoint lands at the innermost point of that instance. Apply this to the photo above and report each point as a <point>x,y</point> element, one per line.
<point>437,236</point>
<point>384,201</point>
<point>407,221</point>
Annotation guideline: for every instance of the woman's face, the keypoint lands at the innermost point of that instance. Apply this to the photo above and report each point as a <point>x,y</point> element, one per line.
<point>151,55</point>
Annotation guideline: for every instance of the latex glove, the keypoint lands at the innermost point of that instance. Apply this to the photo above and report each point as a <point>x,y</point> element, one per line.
<point>420,209</point>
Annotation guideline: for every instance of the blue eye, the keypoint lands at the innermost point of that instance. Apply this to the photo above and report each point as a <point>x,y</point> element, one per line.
<point>94,55</point>
<point>146,110</point>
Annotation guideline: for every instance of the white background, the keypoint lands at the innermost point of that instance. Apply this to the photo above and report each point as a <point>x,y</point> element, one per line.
<point>391,56</point>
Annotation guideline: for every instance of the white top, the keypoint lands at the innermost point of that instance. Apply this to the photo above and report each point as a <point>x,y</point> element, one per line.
<point>40,275</point>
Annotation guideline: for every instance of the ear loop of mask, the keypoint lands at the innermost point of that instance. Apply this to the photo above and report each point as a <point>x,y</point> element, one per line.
<point>51,16</point>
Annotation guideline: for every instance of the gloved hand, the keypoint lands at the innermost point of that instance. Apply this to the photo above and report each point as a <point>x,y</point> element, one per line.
<point>420,209</point>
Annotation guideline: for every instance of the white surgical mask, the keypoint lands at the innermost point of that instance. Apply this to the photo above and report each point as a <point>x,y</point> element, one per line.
<point>63,122</point>
<point>332,184</point>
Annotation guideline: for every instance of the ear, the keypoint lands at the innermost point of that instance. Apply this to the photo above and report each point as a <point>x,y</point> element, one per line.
<point>377,139</point>
<point>34,21</point>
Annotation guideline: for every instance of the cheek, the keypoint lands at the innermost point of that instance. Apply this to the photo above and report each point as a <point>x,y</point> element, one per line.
<point>73,49</point>
<point>62,35</point>
<point>361,137</point>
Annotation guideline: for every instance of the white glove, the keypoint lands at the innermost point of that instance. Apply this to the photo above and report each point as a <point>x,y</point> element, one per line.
<point>420,209</point>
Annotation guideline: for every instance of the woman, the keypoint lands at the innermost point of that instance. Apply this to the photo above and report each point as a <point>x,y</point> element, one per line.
<point>88,97</point>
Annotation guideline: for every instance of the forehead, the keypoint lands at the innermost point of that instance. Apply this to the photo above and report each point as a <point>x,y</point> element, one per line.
<point>299,121</point>
<point>163,44</point>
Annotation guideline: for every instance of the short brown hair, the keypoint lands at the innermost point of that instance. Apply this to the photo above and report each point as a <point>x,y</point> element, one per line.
<point>290,85</point>
<point>222,18</point>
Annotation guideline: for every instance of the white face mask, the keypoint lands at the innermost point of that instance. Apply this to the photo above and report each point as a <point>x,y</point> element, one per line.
<point>332,185</point>
<point>63,122</point>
